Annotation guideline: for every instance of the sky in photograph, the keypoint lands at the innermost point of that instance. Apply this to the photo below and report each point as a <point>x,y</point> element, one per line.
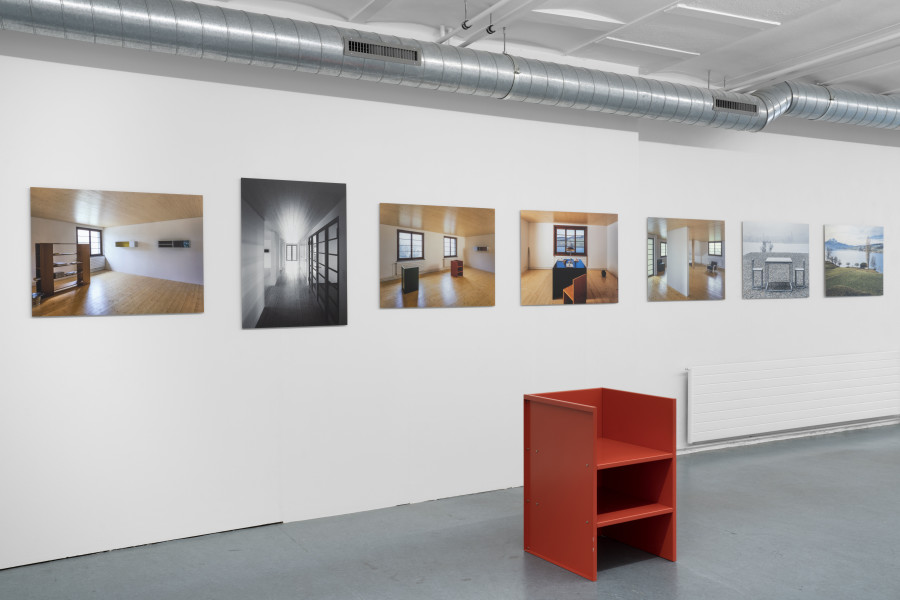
<point>780,233</point>
<point>854,235</point>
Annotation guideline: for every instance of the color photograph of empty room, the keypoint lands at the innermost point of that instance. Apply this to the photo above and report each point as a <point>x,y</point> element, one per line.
<point>293,253</point>
<point>568,257</point>
<point>436,256</point>
<point>685,259</point>
<point>115,253</point>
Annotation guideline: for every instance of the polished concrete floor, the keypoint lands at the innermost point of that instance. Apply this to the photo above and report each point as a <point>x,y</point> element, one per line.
<point>815,518</point>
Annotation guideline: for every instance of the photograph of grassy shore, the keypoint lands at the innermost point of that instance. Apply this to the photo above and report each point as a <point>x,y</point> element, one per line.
<point>775,261</point>
<point>854,260</point>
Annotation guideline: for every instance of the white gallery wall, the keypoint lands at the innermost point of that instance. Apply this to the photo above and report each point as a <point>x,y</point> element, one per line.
<point>198,426</point>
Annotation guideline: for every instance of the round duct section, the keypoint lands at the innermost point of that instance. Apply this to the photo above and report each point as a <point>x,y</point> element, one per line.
<point>217,33</point>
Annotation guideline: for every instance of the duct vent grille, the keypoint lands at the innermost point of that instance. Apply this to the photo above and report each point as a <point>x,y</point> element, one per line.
<point>732,106</point>
<point>399,54</point>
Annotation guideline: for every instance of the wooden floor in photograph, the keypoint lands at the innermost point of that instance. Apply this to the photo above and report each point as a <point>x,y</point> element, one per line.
<point>537,287</point>
<point>704,285</point>
<point>439,289</point>
<point>115,293</point>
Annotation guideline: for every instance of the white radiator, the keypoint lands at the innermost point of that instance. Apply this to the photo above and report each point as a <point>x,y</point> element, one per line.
<point>756,398</point>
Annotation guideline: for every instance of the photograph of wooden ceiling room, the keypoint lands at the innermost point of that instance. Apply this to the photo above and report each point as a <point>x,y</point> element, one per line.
<point>436,256</point>
<point>685,259</point>
<point>115,253</point>
<point>562,249</point>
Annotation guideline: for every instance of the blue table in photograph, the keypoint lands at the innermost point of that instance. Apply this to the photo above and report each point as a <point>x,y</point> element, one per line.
<point>563,275</point>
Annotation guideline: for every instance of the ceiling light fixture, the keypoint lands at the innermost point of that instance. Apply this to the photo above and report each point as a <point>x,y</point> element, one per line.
<point>652,47</point>
<point>721,17</point>
<point>576,15</point>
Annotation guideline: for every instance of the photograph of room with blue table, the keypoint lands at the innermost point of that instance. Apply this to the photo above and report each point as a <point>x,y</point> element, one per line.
<point>568,257</point>
<point>775,261</point>
<point>685,259</point>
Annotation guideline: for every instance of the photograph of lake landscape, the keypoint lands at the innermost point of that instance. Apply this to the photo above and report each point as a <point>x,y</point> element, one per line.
<point>854,260</point>
<point>775,262</point>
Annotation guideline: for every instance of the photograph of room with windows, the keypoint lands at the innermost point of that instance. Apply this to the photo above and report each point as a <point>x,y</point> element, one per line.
<point>568,257</point>
<point>685,259</point>
<point>436,256</point>
<point>115,253</point>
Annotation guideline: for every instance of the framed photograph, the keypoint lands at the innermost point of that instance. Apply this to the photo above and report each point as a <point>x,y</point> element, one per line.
<point>568,257</point>
<point>685,259</point>
<point>854,260</point>
<point>775,260</point>
<point>97,253</point>
<point>293,253</point>
<point>436,256</point>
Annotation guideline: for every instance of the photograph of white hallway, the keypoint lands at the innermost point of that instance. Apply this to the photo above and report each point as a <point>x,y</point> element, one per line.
<point>98,253</point>
<point>568,257</point>
<point>775,260</point>
<point>685,259</point>
<point>436,256</point>
<point>293,253</point>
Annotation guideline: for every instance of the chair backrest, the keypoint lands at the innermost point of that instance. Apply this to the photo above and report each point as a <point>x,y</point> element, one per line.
<point>580,289</point>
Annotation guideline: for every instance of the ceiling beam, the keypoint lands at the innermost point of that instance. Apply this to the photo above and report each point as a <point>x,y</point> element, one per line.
<point>365,14</point>
<point>856,74</point>
<point>828,57</point>
<point>616,30</point>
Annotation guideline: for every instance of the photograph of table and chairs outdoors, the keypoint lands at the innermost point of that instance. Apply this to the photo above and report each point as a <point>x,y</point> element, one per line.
<point>775,260</point>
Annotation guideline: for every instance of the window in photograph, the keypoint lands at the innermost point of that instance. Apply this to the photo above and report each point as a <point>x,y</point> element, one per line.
<point>570,240</point>
<point>649,257</point>
<point>715,248</point>
<point>410,245</point>
<point>662,250</point>
<point>291,252</point>
<point>449,247</point>
<point>92,237</point>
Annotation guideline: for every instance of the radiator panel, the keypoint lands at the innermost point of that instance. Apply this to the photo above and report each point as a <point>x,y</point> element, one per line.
<point>764,397</point>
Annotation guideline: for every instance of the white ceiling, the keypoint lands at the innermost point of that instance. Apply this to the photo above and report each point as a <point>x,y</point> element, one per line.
<point>740,45</point>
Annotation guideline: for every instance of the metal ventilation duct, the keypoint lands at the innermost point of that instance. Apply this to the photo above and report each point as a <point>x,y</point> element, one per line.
<point>216,33</point>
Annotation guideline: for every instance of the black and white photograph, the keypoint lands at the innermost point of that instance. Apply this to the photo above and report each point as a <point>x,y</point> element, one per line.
<point>775,260</point>
<point>293,253</point>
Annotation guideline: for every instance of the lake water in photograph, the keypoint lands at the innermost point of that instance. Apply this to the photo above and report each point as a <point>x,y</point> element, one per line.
<point>857,256</point>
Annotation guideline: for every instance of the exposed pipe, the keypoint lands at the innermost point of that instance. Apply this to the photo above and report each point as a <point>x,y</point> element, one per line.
<point>213,32</point>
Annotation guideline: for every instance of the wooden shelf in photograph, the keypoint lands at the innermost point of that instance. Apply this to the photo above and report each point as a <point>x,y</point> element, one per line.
<point>47,278</point>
